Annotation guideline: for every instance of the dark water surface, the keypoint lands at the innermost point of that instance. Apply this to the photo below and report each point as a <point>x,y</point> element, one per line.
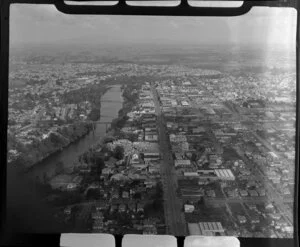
<point>26,212</point>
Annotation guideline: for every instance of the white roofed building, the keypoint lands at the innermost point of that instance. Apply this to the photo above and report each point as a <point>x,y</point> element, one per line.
<point>206,228</point>
<point>224,174</point>
<point>182,163</point>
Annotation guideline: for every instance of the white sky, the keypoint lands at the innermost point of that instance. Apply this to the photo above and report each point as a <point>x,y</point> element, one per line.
<point>44,24</point>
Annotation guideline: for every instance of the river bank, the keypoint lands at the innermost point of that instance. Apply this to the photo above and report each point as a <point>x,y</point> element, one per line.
<point>57,135</point>
<point>90,157</point>
<point>58,138</point>
<point>59,148</point>
<point>111,103</point>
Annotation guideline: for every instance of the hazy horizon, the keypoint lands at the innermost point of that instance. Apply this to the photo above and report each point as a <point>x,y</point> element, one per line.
<point>42,26</point>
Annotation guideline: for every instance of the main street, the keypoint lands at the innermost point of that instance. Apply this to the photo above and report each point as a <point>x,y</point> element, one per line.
<point>174,215</point>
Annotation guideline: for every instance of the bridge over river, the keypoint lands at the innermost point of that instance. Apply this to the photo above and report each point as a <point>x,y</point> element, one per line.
<point>111,103</point>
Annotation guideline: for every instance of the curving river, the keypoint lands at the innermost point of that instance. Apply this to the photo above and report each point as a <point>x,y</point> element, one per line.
<point>111,103</point>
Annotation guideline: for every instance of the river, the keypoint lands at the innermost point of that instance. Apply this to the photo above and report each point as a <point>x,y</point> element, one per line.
<point>111,103</point>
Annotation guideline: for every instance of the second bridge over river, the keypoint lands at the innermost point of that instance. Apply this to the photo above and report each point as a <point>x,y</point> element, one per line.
<point>106,123</point>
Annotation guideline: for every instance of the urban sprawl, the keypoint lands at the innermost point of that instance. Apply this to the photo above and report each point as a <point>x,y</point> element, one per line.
<point>192,152</point>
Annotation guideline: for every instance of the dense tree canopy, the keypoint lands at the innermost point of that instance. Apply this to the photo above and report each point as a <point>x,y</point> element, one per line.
<point>119,152</point>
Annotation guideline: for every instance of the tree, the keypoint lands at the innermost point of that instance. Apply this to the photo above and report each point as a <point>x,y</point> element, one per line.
<point>55,139</point>
<point>137,196</point>
<point>93,194</point>
<point>99,161</point>
<point>98,166</point>
<point>119,122</point>
<point>201,201</point>
<point>108,139</point>
<point>119,152</point>
<point>58,82</point>
<point>194,157</point>
<point>132,137</point>
<point>94,114</point>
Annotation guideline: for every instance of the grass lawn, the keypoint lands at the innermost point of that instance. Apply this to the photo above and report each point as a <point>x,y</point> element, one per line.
<point>61,180</point>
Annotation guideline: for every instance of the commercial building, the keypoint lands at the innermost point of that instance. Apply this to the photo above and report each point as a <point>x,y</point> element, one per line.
<point>206,228</point>
<point>182,163</point>
<point>189,208</point>
<point>212,174</point>
<point>151,156</point>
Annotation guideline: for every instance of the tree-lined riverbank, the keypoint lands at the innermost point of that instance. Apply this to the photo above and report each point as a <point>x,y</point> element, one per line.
<point>68,155</point>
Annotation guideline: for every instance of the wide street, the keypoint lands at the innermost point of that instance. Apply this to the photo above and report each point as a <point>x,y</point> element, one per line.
<point>173,207</point>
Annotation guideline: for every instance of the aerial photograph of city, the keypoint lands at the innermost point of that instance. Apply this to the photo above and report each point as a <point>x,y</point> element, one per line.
<point>152,125</point>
